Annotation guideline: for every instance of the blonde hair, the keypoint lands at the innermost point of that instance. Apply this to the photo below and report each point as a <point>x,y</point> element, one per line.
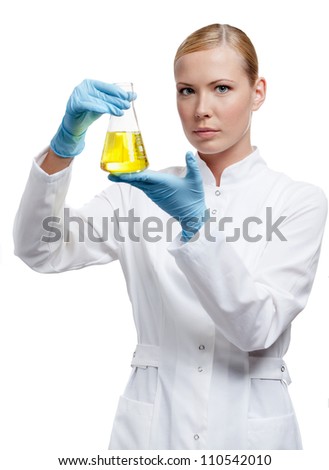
<point>215,35</point>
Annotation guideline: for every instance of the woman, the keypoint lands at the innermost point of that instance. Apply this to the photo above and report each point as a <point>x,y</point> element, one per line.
<point>213,294</point>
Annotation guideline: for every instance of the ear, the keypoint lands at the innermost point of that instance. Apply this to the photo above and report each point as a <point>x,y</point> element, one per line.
<point>259,93</point>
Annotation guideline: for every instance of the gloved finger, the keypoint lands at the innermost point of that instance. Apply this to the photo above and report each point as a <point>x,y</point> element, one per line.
<point>96,105</point>
<point>145,180</point>
<point>154,181</point>
<point>85,94</point>
<point>193,171</point>
<point>118,102</point>
<point>92,86</point>
<point>132,95</point>
<point>125,178</point>
<point>102,98</point>
<point>116,109</point>
<point>129,177</point>
<point>114,90</point>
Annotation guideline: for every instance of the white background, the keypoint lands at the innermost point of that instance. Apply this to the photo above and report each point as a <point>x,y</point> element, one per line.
<point>66,340</point>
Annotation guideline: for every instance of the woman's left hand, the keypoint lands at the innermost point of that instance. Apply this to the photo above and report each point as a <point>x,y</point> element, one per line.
<point>182,198</point>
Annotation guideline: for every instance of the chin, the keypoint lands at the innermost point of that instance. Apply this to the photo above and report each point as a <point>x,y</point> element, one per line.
<point>212,151</point>
<point>210,148</point>
<point>222,148</point>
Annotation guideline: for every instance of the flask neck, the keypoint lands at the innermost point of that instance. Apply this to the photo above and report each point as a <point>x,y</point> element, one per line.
<point>128,121</point>
<point>125,123</point>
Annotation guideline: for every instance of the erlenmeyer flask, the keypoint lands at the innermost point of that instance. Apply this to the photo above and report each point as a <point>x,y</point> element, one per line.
<point>124,150</point>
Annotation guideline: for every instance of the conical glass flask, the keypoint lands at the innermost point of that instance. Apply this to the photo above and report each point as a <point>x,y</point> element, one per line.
<point>124,150</point>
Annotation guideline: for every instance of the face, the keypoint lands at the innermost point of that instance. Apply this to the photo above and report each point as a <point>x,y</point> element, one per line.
<point>215,101</point>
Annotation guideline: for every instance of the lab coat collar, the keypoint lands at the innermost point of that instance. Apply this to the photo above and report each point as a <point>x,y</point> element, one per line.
<point>236,173</point>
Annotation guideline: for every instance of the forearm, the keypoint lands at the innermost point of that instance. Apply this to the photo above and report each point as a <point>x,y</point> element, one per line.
<point>252,304</point>
<point>53,163</point>
<point>42,200</point>
<point>51,237</point>
<point>241,309</point>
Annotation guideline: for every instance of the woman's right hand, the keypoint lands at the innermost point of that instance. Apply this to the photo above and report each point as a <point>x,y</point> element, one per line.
<point>87,103</point>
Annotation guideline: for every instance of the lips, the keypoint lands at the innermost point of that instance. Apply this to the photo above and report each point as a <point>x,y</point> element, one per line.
<point>205,132</point>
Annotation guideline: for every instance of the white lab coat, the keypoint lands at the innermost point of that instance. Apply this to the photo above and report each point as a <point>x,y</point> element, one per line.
<point>213,318</point>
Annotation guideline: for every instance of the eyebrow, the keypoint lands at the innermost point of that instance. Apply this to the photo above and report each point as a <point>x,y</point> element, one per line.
<point>211,83</point>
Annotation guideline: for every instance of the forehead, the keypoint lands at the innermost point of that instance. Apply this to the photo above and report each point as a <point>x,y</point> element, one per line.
<point>209,65</point>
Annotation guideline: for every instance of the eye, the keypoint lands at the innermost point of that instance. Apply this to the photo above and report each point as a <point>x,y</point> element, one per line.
<point>186,91</point>
<point>222,89</point>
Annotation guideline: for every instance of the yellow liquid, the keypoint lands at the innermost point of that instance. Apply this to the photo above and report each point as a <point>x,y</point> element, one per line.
<point>123,152</point>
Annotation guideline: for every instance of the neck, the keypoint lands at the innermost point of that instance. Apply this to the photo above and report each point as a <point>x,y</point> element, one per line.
<point>219,161</point>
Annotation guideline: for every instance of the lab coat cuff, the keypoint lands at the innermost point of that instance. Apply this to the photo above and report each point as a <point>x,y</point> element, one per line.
<point>38,172</point>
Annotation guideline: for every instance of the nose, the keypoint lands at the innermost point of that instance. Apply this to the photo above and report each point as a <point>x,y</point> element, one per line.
<point>203,107</point>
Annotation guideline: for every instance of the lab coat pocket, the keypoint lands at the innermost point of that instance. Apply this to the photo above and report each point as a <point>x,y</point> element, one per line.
<point>272,423</point>
<point>132,425</point>
<point>133,419</point>
<point>276,433</point>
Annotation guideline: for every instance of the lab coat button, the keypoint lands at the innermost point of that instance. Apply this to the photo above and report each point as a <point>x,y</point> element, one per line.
<point>283,368</point>
<point>200,369</point>
<point>202,347</point>
<point>217,192</point>
<point>214,211</point>
<point>196,437</point>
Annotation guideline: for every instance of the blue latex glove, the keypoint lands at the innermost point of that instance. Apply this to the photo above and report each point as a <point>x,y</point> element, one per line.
<point>182,198</point>
<point>87,103</point>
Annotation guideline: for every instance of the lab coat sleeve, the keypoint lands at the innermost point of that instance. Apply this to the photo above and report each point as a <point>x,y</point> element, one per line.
<point>252,309</point>
<point>50,237</point>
